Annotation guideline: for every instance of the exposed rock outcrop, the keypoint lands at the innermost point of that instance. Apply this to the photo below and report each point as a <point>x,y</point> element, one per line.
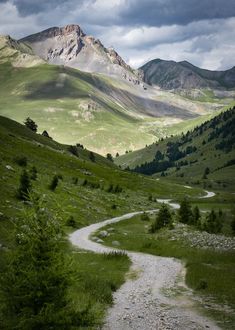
<point>70,46</point>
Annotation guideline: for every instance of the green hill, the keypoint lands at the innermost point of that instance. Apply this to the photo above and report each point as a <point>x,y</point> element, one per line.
<point>105,114</point>
<point>87,202</point>
<point>205,155</point>
<point>87,192</point>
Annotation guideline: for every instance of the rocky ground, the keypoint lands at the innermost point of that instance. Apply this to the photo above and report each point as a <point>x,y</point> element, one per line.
<point>202,239</point>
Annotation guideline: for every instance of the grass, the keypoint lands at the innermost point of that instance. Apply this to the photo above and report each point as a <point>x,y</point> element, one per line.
<point>96,278</point>
<point>84,203</point>
<point>214,269</point>
<point>189,169</point>
<point>57,98</point>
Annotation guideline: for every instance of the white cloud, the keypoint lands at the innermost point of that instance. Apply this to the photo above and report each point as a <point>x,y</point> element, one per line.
<point>206,43</point>
<point>11,23</point>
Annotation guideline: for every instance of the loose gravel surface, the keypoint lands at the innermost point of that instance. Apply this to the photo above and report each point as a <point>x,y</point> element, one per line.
<point>148,299</point>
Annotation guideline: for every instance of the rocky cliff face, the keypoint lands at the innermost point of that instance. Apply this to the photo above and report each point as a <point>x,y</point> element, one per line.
<point>183,75</point>
<point>70,46</point>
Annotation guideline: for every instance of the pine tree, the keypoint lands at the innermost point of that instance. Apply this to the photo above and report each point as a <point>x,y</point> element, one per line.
<point>54,183</point>
<point>196,217</point>
<point>163,218</point>
<point>31,124</point>
<point>109,157</point>
<point>25,186</point>
<point>185,212</point>
<point>36,276</point>
<point>212,224</point>
<point>92,156</point>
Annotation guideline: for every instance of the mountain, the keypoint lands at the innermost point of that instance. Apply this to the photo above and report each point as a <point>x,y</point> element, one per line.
<point>183,75</point>
<point>70,46</point>
<point>19,54</point>
<point>186,157</point>
<point>105,113</point>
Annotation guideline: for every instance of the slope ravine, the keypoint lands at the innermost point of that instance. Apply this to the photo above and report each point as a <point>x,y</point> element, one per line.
<point>146,300</point>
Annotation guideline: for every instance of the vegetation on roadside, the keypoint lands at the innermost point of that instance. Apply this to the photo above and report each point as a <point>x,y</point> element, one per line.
<point>206,267</point>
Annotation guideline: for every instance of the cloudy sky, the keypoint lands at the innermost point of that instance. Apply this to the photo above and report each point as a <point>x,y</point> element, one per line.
<point>199,31</point>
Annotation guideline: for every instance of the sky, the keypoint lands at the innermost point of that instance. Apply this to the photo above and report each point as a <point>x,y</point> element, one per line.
<point>199,31</point>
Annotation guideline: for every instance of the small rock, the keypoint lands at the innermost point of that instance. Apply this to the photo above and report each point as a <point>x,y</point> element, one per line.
<point>99,241</point>
<point>115,243</point>
<point>9,167</point>
<point>103,233</point>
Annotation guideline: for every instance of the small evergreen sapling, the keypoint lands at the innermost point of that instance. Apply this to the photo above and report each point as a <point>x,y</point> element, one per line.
<point>163,219</point>
<point>37,274</point>
<point>25,186</point>
<point>185,212</point>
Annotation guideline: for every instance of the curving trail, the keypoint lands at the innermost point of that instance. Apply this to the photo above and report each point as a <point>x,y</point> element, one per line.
<point>146,302</point>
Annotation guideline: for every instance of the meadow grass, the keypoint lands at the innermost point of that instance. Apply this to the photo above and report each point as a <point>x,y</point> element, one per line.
<point>210,273</point>
<point>96,277</point>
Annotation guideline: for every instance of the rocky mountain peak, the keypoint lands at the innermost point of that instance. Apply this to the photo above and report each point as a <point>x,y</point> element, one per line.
<point>54,32</point>
<point>70,46</point>
<point>72,28</point>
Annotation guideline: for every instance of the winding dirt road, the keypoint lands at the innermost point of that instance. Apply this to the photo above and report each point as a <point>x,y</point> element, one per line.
<point>146,301</point>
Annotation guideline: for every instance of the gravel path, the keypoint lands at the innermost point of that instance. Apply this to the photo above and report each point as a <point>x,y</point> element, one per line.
<point>146,300</point>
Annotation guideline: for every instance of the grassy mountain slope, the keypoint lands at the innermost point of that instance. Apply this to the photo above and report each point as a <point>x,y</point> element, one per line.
<point>19,54</point>
<point>184,75</point>
<point>185,158</point>
<point>96,275</point>
<point>103,113</point>
<point>87,203</point>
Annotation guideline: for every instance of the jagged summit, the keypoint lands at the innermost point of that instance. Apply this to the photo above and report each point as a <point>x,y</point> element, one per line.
<point>70,46</point>
<point>54,32</point>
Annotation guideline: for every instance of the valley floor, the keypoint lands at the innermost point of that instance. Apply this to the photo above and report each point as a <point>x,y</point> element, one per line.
<point>147,300</point>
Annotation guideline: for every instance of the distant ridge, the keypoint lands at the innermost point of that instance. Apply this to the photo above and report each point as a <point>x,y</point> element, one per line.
<point>183,75</point>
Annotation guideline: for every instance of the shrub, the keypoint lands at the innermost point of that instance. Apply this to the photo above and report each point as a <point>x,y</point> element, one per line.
<point>25,186</point>
<point>202,285</point>
<point>75,180</point>
<point>144,217</point>
<point>163,219</point>
<point>85,182</point>
<point>117,189</point>
<point>110,188</point>
<point>54,183</point>
<point>21,161</point>
<point>45,133</point>
<point>212,224</point>
<point>71,222</point>
<point>92,156</point>
<point>73,150</point>
<point>33,173</point>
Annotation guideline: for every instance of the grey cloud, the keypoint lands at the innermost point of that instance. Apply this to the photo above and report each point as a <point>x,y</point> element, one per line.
<point>28,7</point>
<point>135,12</point>
<point>167,12</point>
